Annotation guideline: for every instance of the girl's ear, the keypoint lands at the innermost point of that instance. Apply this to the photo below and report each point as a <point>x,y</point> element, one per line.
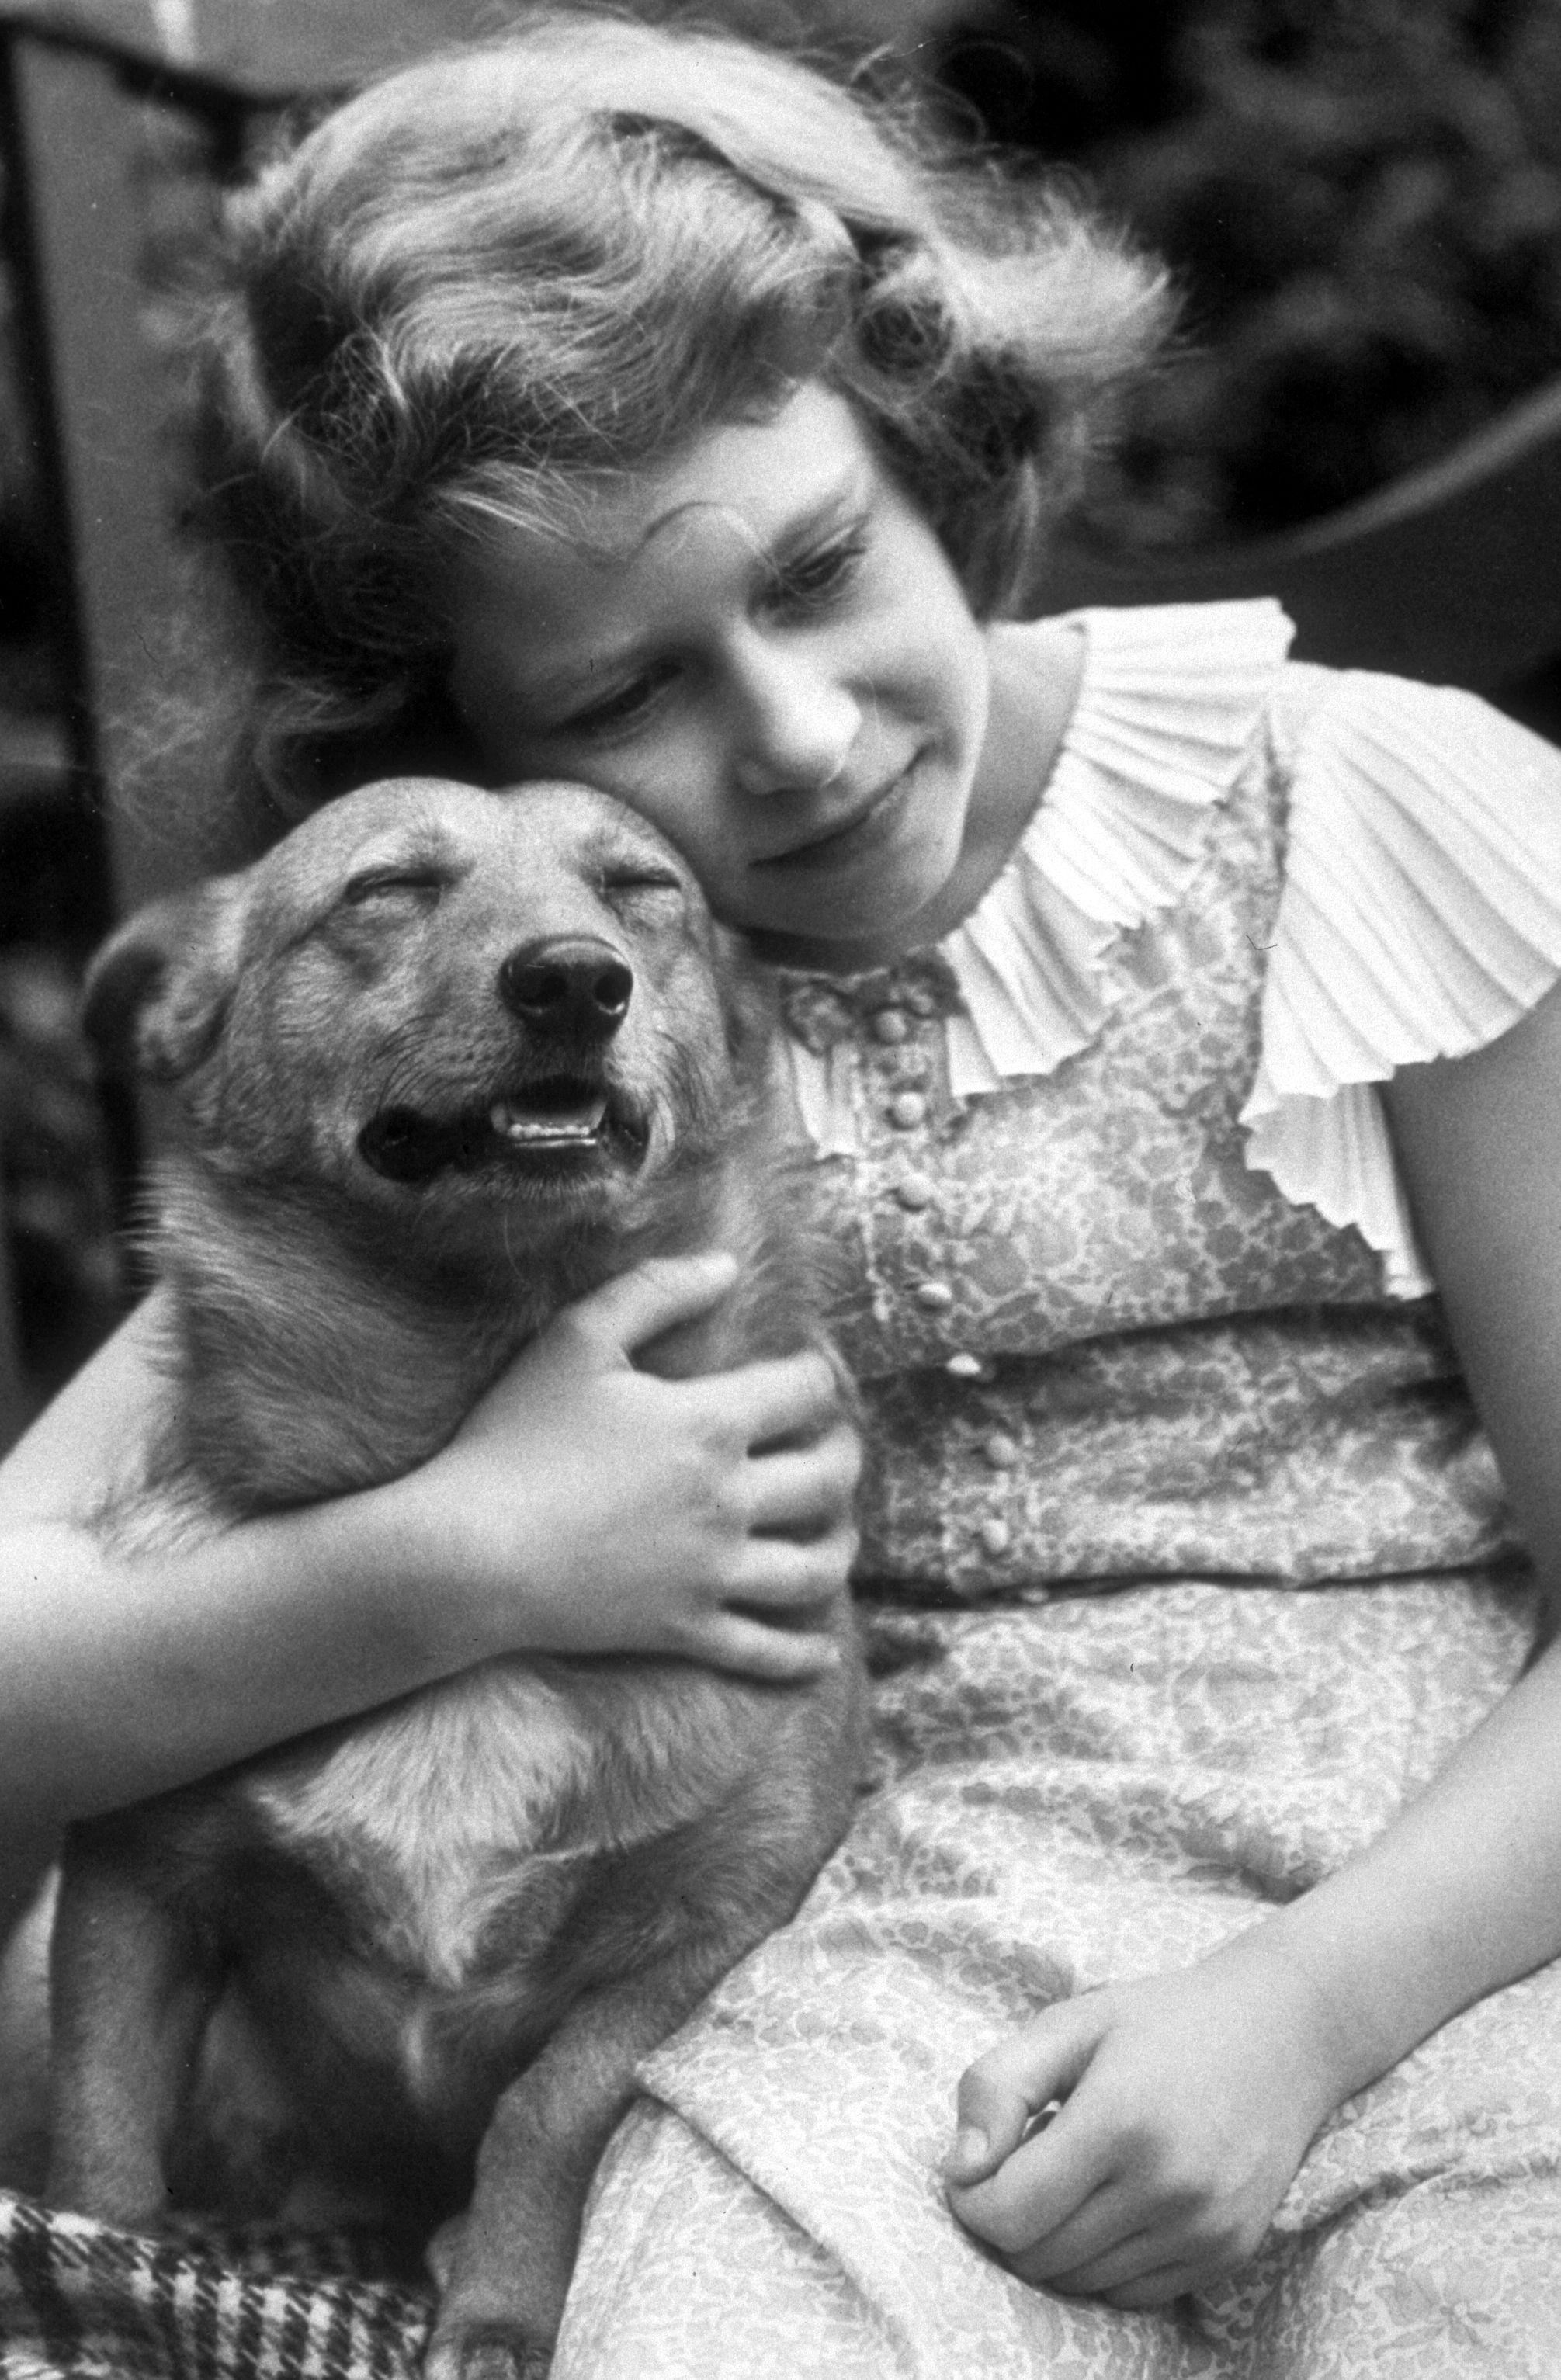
<point>158,991</point>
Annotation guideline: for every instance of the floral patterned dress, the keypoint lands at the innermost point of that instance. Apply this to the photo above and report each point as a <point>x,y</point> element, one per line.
<point>1184,1556</point>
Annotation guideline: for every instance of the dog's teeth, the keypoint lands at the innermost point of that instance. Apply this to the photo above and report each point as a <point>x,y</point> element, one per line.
<point>523,1126</point>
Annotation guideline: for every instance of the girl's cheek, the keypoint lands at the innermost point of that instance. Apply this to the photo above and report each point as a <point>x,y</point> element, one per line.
<point>669,787</point>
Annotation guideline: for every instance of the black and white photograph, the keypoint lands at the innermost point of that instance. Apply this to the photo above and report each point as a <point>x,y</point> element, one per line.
<point>780,1190</point>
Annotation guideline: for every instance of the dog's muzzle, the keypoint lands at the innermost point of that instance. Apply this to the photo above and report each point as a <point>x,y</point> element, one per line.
<point>570,995</point>
<point>573,986</point>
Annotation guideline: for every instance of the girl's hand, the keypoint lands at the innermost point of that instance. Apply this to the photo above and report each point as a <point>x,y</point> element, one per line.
<point>1189,2100</point>
<point>586,1507</point>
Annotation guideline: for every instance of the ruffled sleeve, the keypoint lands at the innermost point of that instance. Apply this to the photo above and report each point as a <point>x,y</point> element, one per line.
<point>1170,699</point>
<point>1421,919</point>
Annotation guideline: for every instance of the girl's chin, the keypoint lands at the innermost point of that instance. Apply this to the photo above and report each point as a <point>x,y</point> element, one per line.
<point>865,910</point>
<point>845,938</point>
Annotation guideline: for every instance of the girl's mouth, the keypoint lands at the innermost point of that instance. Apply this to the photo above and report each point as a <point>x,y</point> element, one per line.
<point>840,847</point>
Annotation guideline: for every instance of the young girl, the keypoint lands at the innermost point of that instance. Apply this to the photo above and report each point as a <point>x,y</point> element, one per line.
<point>630,405</point>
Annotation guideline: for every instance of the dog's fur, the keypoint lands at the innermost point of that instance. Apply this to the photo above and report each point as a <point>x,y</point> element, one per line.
<point>456,1923</point>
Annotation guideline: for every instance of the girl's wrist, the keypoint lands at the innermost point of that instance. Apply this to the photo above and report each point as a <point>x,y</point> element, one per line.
<point>456,1596</point>
<point>389,1556</point>
<point>1316,2018</point>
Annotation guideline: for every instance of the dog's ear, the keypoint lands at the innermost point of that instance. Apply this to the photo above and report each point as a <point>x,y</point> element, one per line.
<point>157,992</point>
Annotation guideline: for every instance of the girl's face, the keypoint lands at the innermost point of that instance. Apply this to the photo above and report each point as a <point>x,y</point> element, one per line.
<point>762,648</point>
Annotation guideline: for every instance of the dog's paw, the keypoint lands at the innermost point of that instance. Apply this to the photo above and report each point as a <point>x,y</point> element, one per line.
<point>484,2351</point>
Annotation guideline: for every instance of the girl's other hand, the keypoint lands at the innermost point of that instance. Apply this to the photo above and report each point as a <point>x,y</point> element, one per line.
<point>584,1506</point>
<point>1188,2101</point>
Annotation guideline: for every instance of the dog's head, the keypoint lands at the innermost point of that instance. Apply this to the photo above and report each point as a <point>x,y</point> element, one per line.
<point>428,995</point>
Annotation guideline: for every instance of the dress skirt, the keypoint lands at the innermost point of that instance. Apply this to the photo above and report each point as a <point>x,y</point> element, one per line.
<point>1092,1789</point>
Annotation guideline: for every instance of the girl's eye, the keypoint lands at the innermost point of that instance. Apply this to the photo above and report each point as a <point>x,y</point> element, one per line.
<point>817,578</point>
<point>625,707</point>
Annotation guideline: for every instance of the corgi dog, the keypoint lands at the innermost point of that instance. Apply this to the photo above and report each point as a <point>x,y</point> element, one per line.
<point>447,1059</point>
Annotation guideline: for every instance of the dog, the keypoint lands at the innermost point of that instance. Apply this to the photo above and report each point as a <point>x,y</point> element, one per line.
<point>447,1059</point>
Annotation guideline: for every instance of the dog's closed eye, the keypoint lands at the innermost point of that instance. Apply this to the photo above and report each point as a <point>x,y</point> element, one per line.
<point>377,883</point>
<point>621,886</point>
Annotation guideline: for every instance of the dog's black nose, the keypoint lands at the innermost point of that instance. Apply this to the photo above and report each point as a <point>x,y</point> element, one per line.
<point>572,985</point>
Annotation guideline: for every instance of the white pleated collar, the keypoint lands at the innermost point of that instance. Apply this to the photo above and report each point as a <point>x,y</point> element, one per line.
<point>1169,701</point>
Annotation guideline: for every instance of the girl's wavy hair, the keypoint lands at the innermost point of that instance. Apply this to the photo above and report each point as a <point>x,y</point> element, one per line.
<point>493,281</point>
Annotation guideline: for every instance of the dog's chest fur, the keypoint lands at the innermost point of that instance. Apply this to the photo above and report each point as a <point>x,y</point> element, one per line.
<point>454,1830</point>
<point>427,1822</point>
<point>456,1827</point>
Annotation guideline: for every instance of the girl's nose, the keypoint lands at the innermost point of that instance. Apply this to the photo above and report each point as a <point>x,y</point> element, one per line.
<point>796,725</point>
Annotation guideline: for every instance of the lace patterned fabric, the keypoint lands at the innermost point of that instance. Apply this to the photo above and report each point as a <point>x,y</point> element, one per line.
<point>1131,1286</point>
<point>1105,1789</point>
<point>1421,916</point>
<point>1060,1219</point>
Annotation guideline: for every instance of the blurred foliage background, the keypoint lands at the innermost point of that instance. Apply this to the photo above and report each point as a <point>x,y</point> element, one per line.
<point>1361,199</point>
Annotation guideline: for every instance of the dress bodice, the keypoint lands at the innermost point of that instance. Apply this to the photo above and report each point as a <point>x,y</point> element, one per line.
<point>1097,1340</point>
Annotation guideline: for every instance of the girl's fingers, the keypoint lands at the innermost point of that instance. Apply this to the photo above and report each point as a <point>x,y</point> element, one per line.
<point>627,1313</point>
<point>1106,2233</point>
<point>1043,2182</point>
<point>784,1397</point>
<point>806,1487</point>
<point>790,1574</point>
<point>759,1404</point>
<point>754,1650</point>
<point>777,1398</point>
<point>1005,2090</point>
<point>1157,2287</point>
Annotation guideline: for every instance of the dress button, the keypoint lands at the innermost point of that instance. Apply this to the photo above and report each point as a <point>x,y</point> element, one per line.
<point>1001,1451</point>
<point>935,1296</point>
<point>914,1190</point>
<point>891,1025</point>
<point>996,1536</point>
<point>965,1367</point>
<point>907,1110</point>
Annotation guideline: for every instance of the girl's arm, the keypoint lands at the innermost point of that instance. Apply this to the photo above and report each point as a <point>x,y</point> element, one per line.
<point>584,1506</point>
<point>1190,2099</point>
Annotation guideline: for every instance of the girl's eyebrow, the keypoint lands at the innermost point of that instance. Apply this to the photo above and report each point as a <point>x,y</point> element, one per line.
<point>848,500</point>
<point>849,494</point>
